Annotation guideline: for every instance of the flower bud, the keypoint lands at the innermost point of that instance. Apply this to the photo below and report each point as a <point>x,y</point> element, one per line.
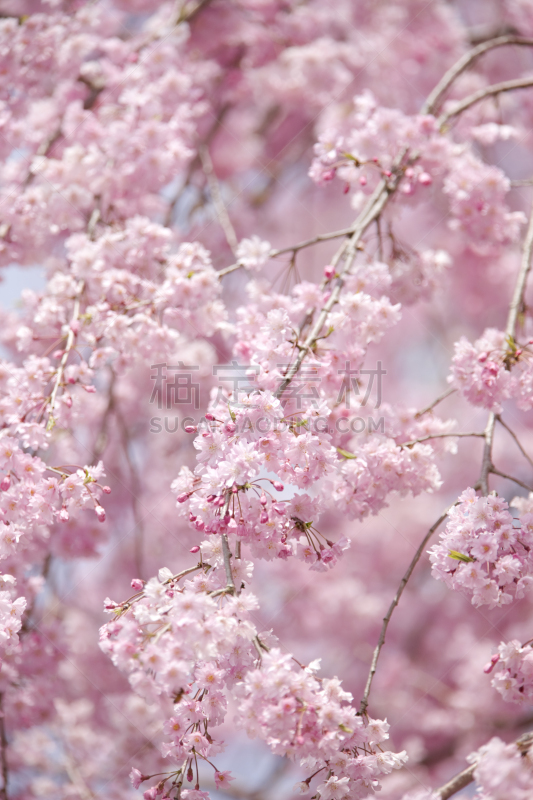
<point>106,489</point>
<point>278,486</point>
<point>425,179</point>
<point>181,498</point>
<point>5,483</point>
<point>137,584</point>
<point>100,513</point>
<point>195,549</point>
<point>329,272</point>
<point>63,515</point>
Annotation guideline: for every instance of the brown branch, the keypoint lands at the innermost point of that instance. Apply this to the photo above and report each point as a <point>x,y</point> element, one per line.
<point>460,66</point>
<point>64,358</point>
<point>371,212</point>
<point>230,587</point>
<point>396,600</point>
<point>483,94</point>
<point>432,405</point>
<point>438,436</point>
<point>216,196</point>
<point>515,437</point>
<point>495,471</point>
<point>466,777</point>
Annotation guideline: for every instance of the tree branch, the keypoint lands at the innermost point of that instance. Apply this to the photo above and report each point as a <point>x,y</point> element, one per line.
<point>495,471</point>
<point>438,436</point>
<point>216,196</point>
<point>387,617</point>
<point>432,405</point>
<point>460,66</point>
<point>466,777</point>
<point>482,94</point>
<point>515,437</point>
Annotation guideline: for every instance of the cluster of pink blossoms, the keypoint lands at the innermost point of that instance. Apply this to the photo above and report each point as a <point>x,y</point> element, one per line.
<point>492,370</point>
<point>365,146</point>
<point>502,772</point>
<point>513,677</point>
<point>312,720</point>
<point>482,553</point>
<point>192,644</point>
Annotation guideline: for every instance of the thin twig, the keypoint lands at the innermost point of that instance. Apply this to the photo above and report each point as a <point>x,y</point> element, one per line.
<point>482,94</point>
<point>460,66</point>
<point>515,437</point>
<point>510,478</point>
<point>466,777</point>
<point>432,405</point>
<point>216,196</point>
<point>64,358</point>
<point>387,617</point>
<point>372,210</point>
<point>515,307</point>
<point>438,436</point>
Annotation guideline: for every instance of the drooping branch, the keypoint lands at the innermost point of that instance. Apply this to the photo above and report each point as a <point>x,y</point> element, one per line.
<point>433,101</point>
<point>515,437</point>
<point>216,196</point>
<point>518,482</point>
<point>387,618</point>
<point>483,94</point>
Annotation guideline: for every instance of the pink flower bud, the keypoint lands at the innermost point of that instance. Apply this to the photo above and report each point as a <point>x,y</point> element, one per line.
<point>63,515</point>
<point>210,498</point>
<point>100,513</point>
<point>363,180</point>
<point>346,189</point>
<point>195,549</point>
<point>57,353</point>
<point>106,489</point>
<point>491,664</point>
<point>190,775</point>
<point>71,380</point>
<point>409,172</point>
<point>277,486</point>
<point>263,499</point>
<point>425,179</point>
<point>90,389</point>
<point>5,483</point>
<point>230,427</point>
<point>137,584</point>
<point>192,517</point>
<point>75,326</point>
<point>209,417</point>
<point>329,272</point>
<point>387,173</point>
<point>190,429</point>
<point>328,175</point>
<point>199,525</point>
<point>181,498</point>
<point>67,399</point>
<point>136,778</point>
<point>264,517</point>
